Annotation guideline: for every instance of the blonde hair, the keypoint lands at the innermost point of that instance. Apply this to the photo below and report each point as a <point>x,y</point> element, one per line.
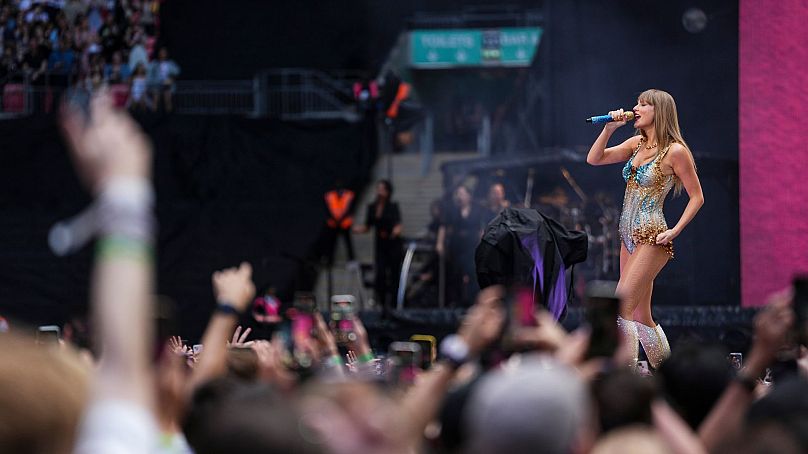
<point>666,124</point>
<point>45,389</point>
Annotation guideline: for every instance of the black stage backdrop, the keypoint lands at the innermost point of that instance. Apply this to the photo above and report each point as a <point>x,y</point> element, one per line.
<point>228,190</point>
<point>594,56</point>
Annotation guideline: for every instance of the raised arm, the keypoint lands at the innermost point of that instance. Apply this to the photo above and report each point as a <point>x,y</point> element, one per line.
<point>772,326</point>
<point>600,155</point>
<point>113,157</point>
<point>234,290</point>
<point>481,326</point>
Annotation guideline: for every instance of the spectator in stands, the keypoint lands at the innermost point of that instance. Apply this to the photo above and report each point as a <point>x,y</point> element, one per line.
<point>111,38</point>
<point>62,58</point>
<point>163,73</point>
<point>82,35</point>
<point>74,9</point>
<point>8,64</point>
<point>117,72</point>
<point>138,90</point>
<point>138,54</point>
<point>35,63</point>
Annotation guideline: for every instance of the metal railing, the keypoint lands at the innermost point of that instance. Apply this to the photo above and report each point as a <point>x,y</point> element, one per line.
<point>234,97</point>
<point>305,94</point>
<point>288,94</point>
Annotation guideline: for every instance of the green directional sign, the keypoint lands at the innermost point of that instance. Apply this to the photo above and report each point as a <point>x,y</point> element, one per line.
<point>473,47</point>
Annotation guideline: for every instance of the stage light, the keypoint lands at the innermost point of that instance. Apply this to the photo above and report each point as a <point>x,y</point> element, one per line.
<point>694,20</point>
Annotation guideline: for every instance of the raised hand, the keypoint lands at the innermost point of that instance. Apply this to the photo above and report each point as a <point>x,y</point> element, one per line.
<point>234,286</point>
<point>106,146</point>
<point>176,345</point>
<point>483,323</point>
<point>619,117</point>
<point>239,338</point>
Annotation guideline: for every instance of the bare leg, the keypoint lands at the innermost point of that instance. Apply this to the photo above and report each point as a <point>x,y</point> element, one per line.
<point>628,330</point>
<point>637,282</point>
<point>642,313</point>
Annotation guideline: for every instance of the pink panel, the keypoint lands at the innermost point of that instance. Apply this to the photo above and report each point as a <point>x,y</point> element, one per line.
<point>773,111</point>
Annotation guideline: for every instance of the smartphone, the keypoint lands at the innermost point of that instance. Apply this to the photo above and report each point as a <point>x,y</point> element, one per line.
<point>404,359</point>
<point>736,360</point>
<point>305,306</point>
<point>342,314</point>
<point>48,334</point>
<point>521,313</point>
<point>301,333</point>
<point>429,350</point>
<point>602,308</point>
<point>800,306</point>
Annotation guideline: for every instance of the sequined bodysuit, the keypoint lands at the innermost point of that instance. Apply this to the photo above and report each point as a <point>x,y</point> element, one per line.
<point>642,218</point>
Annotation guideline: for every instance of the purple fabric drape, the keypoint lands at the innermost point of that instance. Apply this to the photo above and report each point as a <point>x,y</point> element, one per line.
<point>557,299</point>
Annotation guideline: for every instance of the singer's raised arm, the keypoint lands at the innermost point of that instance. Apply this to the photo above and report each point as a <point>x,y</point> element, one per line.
<point>600,155</point>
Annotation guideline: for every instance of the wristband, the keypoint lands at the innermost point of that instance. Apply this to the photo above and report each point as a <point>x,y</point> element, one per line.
<point>226,308</point>
<point>124,247</point>
<point>366,357</point>
<point>454,350</point>
<point>334,361</point>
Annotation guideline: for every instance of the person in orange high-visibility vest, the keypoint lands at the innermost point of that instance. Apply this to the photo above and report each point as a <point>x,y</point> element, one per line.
<point>339,202</point>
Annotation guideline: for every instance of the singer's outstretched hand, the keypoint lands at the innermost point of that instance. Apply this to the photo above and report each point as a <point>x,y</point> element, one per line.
<point>619,119</point>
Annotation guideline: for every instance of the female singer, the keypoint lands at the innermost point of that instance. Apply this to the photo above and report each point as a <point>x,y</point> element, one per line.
<point>657,159</point>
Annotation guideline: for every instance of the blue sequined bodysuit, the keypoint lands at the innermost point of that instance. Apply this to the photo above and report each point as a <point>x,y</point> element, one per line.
<point>642,218</point>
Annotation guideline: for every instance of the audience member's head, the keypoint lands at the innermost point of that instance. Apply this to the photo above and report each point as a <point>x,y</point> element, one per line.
<point>631,440</point>
<point>623,398</point>
<point>384,190</point>
<point>786,407</point>
<point>693,379</point>
<point>228,415</point>
<point>534,405</point>
<point>44,393</point>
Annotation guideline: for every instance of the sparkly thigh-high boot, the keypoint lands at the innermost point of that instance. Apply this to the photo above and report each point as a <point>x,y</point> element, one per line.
<point>655,343</point>
<point>629,330</point>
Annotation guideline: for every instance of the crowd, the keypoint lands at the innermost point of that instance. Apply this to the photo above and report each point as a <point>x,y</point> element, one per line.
<point>316,390</point>
<point>88,44</point>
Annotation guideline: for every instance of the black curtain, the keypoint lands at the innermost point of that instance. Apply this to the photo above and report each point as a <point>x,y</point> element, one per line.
<point>228,190</point>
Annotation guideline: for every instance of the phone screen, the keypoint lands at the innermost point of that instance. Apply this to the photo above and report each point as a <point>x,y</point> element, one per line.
<point>342,320</point>
<point>602,308</point>
<point>428,350</point>
<point>521,314</point>
<point>405,359</point>
<point>49,334</point>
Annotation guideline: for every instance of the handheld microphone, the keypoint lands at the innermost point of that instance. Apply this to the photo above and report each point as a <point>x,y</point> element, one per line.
<point>627,116</point>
